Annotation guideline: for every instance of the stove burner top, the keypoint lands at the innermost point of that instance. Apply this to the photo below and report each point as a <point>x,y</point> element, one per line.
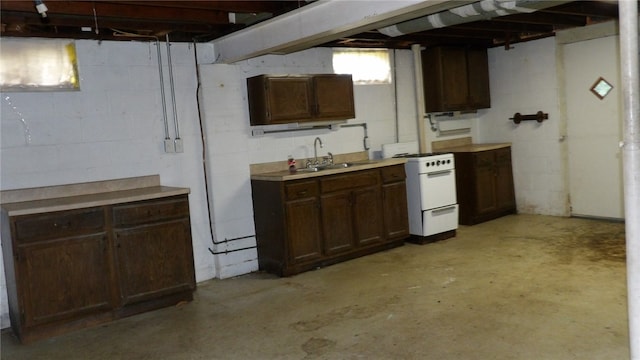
<point>417,155</point>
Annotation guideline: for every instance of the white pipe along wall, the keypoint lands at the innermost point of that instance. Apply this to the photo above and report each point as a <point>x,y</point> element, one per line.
<point>628,10</point>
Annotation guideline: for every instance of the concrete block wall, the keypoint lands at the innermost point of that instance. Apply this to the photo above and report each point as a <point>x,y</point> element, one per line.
<point>523,79</point>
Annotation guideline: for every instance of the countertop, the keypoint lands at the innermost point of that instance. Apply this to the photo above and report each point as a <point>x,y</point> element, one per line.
<point>285,175</point>
<point>475,147</point>
<point>84,195</point>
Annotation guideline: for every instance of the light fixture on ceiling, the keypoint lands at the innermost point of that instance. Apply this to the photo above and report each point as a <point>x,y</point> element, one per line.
<point>41,8</point>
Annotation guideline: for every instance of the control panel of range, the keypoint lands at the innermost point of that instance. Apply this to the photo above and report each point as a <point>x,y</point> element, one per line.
<point>434,163</point>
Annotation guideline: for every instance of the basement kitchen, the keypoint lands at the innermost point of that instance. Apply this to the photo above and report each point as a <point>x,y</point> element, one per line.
<point>269,180</point>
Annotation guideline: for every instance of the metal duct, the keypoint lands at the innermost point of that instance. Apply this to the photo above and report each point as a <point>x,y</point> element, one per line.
<point>482,10</point>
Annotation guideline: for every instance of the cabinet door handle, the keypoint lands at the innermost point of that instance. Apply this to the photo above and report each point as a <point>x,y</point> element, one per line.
<point>62,226</point>
<point>302,193</point>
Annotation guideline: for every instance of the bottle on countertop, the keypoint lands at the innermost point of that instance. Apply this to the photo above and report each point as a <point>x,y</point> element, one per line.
<point>292,163</point>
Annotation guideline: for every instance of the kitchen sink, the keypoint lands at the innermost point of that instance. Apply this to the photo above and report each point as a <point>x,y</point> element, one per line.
<point>326,167</point>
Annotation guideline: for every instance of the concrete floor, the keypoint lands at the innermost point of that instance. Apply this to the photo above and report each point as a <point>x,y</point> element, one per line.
<point>519,287</point>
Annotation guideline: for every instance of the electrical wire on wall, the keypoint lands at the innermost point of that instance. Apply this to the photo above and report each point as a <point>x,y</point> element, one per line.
<point>395,94</point>
<point>168,143</point>
<point>205,169</point>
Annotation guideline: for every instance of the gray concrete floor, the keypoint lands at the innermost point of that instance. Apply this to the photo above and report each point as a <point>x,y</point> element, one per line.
<point>519,287</point>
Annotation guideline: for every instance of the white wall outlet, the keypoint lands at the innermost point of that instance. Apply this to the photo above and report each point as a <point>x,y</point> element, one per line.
<point>178,145</point>
<point>169,146</point>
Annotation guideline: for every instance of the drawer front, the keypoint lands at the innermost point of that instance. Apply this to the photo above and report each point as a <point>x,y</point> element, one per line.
<point>150,211</point>
<point>59,224</point>
<point>301,190</point>
<point>392,173</point>
<point>350,181</point>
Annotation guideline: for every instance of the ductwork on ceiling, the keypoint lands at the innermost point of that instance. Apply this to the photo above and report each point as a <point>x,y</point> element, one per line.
<point>482,10</point>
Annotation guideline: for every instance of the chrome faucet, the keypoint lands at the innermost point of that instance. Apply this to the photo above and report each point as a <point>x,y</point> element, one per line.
<point>315,149</point>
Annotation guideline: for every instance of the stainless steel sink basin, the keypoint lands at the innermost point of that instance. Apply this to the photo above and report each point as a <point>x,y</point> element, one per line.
<point>343,165</point>
<point>325,167</point>
<point>340,166</point>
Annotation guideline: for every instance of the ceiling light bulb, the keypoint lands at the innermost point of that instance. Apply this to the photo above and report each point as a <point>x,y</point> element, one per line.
<point>41,8</point>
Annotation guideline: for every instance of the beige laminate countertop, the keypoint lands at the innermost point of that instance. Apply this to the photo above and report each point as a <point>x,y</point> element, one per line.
<point>475,147</point>
<point>285,175</point>
<point>90,200</point>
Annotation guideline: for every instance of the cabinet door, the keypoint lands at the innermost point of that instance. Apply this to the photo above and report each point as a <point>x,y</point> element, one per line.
<point>367,216</point>
<point>445,81</point>
<point>396,217</point>
<point>505,194</point>
<point>456,82</point>
<point>478,74</point>
<point>64,278</point>
<point>337,222</point>
<point>303,230</point>
<point>279,99</point>
<point>289,99</point>
<point>485,182</point>
<point>155,260</point>
<point>334,96</point>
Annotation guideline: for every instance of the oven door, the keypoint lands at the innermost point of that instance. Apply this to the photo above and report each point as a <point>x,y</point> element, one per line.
<point>436,221</point>
<point>438,189</point>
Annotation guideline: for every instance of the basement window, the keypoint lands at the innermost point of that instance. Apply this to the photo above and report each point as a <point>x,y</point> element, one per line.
<point>38,65</point>
<point>366,66</point>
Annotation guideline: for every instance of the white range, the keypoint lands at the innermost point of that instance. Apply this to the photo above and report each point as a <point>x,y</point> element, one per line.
<point>431,192</point>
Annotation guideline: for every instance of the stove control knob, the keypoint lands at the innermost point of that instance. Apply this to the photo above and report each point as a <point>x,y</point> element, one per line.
<point>438,162</point>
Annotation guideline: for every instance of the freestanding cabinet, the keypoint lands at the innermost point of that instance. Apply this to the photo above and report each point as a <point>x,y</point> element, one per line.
<point>74,268</point>
<point>484,182</point>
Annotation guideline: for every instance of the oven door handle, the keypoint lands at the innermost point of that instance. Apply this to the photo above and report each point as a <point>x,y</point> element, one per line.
<point>443,210</point>
<point>439,173</point>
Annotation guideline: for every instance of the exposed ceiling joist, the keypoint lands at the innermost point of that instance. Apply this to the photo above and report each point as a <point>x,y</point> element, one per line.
<point>205,20</point>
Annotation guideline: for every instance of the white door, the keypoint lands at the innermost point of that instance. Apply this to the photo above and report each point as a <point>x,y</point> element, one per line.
<point>594,129</point>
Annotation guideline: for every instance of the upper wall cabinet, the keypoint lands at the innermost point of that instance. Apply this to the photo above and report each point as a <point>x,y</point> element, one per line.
<point>455,78</point>
<point>279,99</point>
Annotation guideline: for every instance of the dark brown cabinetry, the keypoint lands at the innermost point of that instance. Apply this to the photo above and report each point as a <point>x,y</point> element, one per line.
<point>484,181</point>
<point>455,78</point>
<point>351,210</point>
<point>394,202</point>
<point>307,223</point>
<point>279,99</point>
<point>71,269</point>
<point>44,249</point>
<point>303,210</point>
<point>153,250</point>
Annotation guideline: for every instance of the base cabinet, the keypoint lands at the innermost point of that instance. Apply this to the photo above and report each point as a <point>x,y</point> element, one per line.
<point>72,269</point>
<point>484,181</point>
<point>305,224</point>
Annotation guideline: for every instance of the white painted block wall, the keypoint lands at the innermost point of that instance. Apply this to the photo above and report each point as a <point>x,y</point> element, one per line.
<point>524,80</point>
